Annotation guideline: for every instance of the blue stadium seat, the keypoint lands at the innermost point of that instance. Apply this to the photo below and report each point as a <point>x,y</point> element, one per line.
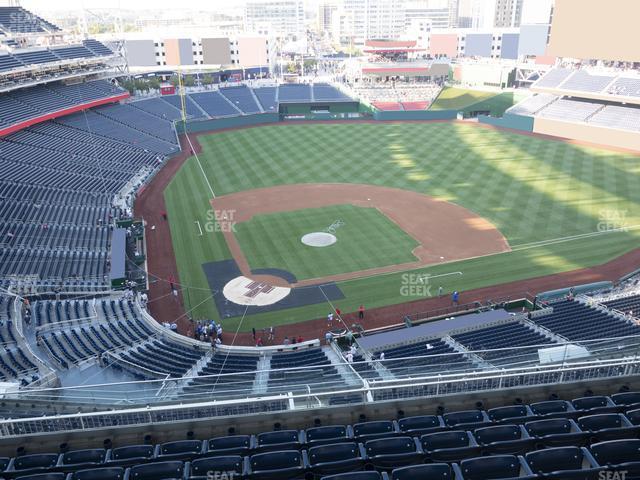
<point>422,424</point>
<point>627,399</point>
<point>595,404</point>
<point>180,450</point>
<point>512,439</point>
<point>434,471</point>
<point>157,471</point>
<point>357,476</point>
<point>131,454</point>
<point>232,465</point>
<point>608,426</point>
<point>388,453</point>
<point>231,445</point>
<point>466,419</point>
<point>495,467</point>
<point>376,429</point>
<point>280,440</point>
<point>284,465</point>
<point>633,416</point>
<point>34,462</point>
<point>563,462</point>
<point>4,463</point>
<point>618,455</point>
<point>556,432</point>
<point>554,408</point>
<point>108,473</point>
<point>449,446</point>
<point>43,476</point>
<point>88,457</point>
<point>336,458</point>
<point>328,434</point>
<point>511,414</point>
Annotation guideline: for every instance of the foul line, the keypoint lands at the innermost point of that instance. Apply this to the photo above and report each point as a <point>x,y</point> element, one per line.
<point>197,222</point>
<point>553,241</point>
<point>204,175</point>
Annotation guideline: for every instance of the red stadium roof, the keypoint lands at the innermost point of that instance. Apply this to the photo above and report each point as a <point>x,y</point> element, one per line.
<point>390,44</point>
<point>395,70</point>
<point>394,50</point>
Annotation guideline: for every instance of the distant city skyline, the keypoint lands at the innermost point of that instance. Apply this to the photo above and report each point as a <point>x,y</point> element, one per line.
<point>150,5</point>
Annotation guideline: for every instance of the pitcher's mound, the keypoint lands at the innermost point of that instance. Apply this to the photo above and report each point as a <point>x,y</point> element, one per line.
<point>319,239</point>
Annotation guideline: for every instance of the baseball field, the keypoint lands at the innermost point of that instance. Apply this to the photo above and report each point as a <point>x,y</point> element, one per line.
<point>525,207</point>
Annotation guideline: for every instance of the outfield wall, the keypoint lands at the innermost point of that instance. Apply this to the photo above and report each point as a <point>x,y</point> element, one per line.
<point>514,122</point>
<point>416,115</point>
<point>309,108</point>
<point>588,133</point>
<point>231,122</point>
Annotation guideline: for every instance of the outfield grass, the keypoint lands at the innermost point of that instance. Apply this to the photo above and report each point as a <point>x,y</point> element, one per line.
<point>454,98</point>
<point>368,239</point>
<point>532,189</point>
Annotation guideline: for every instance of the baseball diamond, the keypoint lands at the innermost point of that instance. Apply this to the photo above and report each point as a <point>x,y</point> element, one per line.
<point>540,198</point>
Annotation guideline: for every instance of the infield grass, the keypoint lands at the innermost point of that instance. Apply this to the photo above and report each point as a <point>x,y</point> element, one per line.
<point>366,239</point>
<point>532,189</point>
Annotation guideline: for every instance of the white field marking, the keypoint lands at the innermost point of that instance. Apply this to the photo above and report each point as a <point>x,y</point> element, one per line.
<point>553,241</point>
<point>197,222</point>
<point>429,277</point>
<point>204,175</point>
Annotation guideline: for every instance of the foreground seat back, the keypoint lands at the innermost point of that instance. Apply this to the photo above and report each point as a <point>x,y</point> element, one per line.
<point>181,449</point>
<point>465,418</point>
<point>420,424</point>
<point>230,445</point>
<point>370,430</point>
<point>157,471</point>
<point>356,476</point>
<point>277,465</point>
<point>77,457</point>
<point>131,454</point>
<point>511,413</point>
<point>560,459</point>
<point>232,465</point>
<point>108,473</point>
<point>433,471</point>
<point>616,452</point>
<point>35,461</point>
<point>596,403</point>
<point>553,408</point>
<point>495,466</point>
<point>449,446</point>
<point>334,452</point>
<point>283,439</point>
<point>328,434</point>
<point>626,399</point>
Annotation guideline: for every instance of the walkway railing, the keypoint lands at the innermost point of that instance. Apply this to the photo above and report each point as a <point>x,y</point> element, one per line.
<point>371,391</point>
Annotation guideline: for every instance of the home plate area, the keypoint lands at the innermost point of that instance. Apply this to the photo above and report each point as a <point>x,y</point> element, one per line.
<point>245,291</point>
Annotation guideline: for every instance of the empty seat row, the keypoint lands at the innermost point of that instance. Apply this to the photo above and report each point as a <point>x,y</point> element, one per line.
<point>398,459</point>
